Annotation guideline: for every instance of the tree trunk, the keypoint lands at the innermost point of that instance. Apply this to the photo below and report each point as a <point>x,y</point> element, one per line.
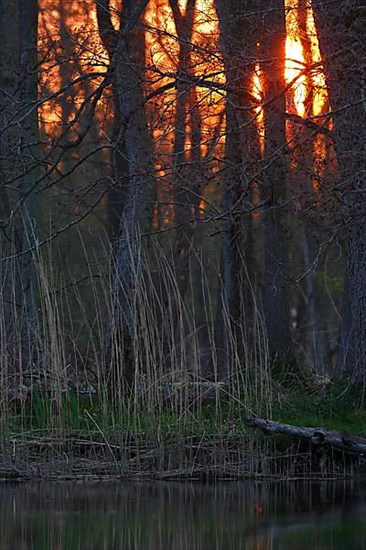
<point>117,193</point>
<point>340,441</point>
<point>9,240</point>
<point>28,60</point>
<point>137,215</point>
<point>186,185</point>
<point>239,31</point>
<point>342,36</point>
<point>311,336</point>
<point>19,163</point>
<point>274,188</point>
<point>118,190</point>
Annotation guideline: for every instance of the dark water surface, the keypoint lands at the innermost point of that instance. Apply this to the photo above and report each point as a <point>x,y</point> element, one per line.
<point>180,516</point>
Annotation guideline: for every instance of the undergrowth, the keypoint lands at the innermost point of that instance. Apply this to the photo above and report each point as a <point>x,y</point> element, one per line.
<point>185,412</point>
<point>336,407</point>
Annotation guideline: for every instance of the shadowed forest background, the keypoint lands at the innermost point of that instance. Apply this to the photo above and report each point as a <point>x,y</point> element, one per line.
<point>182,191</point>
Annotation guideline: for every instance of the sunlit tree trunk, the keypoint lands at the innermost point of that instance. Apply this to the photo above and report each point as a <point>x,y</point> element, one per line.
<point>342,37</point>
<point>310,318</point>
<point>239,28</point>
<point>274,179</point>
<point>137,215</point>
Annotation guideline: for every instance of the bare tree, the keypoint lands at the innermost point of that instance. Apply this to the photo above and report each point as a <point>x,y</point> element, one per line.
<point>341,31</point>
<point>31,157</point>
<point>186,186</point>
<point>275,174</point>
<point>302,179</point>
<point>20,162</point>
<point>137,215</point>
<point>251,34</point>
<point>239,31</point>
<point>8,140</point>
<point>117,192</point>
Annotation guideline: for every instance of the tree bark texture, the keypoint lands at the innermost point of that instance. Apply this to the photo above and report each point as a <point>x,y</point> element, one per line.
<point>138,209</point>
<point>28,61</point>
<point>19,166</point>
<point>274,180</point>
<point>309,314</point>
<point>342,38</point>
<point>117,193</point>
<point>239,33</point>
<point>9,240</point>
<point>186,180</point>
<point>318,436</point>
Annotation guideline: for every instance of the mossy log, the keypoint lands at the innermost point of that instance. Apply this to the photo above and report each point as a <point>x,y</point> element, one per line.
<point>317,436</point>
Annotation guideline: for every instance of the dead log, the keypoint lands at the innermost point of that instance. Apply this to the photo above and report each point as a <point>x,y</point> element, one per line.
<point>317,436</point>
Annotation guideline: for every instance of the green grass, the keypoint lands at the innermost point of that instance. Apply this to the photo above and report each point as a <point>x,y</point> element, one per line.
<point>150,433</point>
<point>338,408</point>
<point>89,415</point>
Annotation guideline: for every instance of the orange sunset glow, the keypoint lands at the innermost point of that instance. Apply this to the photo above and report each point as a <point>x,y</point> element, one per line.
<point>77,30</point>
<point>69,32</point>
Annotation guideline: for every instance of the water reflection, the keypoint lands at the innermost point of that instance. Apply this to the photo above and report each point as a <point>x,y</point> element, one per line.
<point>180,516</point>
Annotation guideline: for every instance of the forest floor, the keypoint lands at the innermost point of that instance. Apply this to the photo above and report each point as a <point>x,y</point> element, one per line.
<point>84,438</point>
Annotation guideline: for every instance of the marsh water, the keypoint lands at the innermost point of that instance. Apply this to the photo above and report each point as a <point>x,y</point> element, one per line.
<point>183,516</point>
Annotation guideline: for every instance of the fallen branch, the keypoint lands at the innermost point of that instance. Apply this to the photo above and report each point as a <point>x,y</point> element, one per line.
<point>317,436</point>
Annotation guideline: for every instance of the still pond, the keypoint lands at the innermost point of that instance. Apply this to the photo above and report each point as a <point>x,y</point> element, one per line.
<point>183,516</point>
